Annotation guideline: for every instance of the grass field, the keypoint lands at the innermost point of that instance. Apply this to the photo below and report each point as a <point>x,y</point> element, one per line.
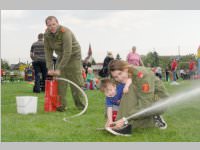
<point>183,120</point>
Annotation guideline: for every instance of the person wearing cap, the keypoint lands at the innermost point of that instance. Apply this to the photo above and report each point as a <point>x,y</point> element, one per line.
<point>62,41</point>
<point>134,59</point>
<point>39,65</point>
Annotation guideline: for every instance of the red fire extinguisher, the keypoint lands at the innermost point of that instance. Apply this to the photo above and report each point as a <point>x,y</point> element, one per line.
<point>52,99</point>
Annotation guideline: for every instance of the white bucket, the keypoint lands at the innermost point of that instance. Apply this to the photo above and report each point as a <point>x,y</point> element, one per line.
<point>26,104</point>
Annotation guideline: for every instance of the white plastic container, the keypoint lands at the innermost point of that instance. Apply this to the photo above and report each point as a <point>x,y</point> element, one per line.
<point>26,104</point>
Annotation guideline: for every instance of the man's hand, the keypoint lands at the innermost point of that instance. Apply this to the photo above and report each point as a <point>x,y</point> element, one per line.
<point>51,72</point>
<point>54,73</point>
<point>57,72</point>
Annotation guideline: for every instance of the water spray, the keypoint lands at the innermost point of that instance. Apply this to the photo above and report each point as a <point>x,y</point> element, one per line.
<point>182,97</point>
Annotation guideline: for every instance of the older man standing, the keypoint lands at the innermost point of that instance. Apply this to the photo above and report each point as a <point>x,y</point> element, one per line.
<point>61,40</point>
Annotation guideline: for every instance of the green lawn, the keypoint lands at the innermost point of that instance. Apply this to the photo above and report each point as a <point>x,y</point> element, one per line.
<point>183,120</point>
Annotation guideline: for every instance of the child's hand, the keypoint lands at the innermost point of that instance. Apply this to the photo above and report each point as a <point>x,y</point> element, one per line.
<point>126,87</point>
<point>125,90</point>
<point>118,101</point>
<point>108,123</point>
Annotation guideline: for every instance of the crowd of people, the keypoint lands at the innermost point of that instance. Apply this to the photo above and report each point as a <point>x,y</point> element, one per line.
<point>172,73</point>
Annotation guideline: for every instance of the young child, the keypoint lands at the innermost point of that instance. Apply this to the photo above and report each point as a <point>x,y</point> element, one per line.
<point>113,95</point>
<point>90,79</point>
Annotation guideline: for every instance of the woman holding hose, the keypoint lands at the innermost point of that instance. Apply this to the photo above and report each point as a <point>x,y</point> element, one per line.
<point>144,90</point>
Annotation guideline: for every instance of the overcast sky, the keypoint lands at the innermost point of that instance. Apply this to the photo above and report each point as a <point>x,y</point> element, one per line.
<point>106,30</point>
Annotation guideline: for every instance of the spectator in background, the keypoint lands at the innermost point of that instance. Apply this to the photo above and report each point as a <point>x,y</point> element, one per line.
<point>86,65</point>
<point>174,65</point>
<point>104,71</point>
<point>183,74</point>
<point>90,79</point>
<point>134,59</point>
<point>159,72</point>
<point>198,59</point>
<point>167,71</point>
<point>84,74</point>
<point>39,65</point>
<point>1,72</point>
<point>192,68</point>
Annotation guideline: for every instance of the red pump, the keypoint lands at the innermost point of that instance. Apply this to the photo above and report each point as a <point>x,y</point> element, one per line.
<point>52,99</point>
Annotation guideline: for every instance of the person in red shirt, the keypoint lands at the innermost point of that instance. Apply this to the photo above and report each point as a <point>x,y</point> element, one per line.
<point>1,72</point>
<point>174,65</point>
<point>84,74</point>
<point>192,68</point>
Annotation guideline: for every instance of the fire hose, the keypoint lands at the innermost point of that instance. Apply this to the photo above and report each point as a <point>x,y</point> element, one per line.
<point>178,98</point>
<point>81,90</point>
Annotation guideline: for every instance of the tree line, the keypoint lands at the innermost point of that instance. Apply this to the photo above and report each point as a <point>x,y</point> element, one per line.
<point>151,58</point>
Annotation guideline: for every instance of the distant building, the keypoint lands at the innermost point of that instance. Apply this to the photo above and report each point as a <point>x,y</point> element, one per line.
<point>16,66</point>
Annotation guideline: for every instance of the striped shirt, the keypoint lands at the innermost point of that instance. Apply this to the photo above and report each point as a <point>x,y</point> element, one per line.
<point>37,50</point>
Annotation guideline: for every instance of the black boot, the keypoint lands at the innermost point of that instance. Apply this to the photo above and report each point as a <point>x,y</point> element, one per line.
<point>126,131</point>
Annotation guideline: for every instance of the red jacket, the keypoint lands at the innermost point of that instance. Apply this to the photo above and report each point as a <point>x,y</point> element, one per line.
<point>191,65</point>
<point>174,65</point>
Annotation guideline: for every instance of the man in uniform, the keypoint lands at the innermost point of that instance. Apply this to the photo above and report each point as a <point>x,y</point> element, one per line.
<point>68,65</point>
<point>39,65</point>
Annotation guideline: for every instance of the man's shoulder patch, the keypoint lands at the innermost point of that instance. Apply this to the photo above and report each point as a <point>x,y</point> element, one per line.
<point>62,29</point>
<point>138,72</point>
